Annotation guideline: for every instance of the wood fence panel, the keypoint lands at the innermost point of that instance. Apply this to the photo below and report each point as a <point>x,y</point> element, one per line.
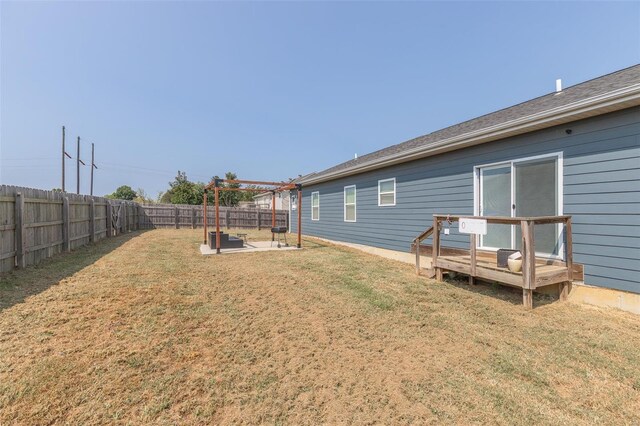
<point>53,222</point>
<point>42,218</point>
<point>7,229</point>
<point>48,218</point>
<point>158,216</point>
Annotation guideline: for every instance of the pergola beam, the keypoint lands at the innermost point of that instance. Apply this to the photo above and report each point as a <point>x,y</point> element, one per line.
<point>245,182</point>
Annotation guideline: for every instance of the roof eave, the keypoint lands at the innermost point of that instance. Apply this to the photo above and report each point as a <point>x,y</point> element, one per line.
<point>597,105</point>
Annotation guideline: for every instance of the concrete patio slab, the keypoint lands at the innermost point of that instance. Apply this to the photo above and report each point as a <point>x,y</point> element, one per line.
<point>253,246</point>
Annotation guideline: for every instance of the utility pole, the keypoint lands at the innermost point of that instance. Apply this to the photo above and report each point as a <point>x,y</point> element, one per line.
<point>63,154</point>
<point>78,168</point>
<point>93,166</point>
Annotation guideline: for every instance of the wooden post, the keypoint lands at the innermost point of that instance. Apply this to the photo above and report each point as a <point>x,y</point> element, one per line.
<point>568,248</point>
<point>472,250</point>
<point>109,223</point>
<point>565,287</point>
<point>21,261</point>
<point>273,214</point>
<point>193,217</point>
<point>92,221</point>
<point>204,218</point>
<point>227,218</point>
<point>417,246</point>
<point>63,159</point>
<point>217,201</point>
<point>528,263</point>
<point>259,227</point>
<point>176,214</point>
<point>66,243</point>
<point>93,165</point>
<point>299,216</point>
<point>78,167</point>
<point>436,247</point>
<point>527,298</point>
<point>123,214</point>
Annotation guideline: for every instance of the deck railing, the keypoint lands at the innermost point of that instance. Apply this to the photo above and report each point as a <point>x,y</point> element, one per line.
<point>529,279</point>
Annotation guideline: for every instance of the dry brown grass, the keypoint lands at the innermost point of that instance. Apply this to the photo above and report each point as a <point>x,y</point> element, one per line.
<point>142,329</point>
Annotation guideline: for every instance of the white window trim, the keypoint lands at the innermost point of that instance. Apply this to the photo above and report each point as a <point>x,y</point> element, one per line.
<point>312,194</point>
<point>560,178</point>
<point>355,203</point>
<point>385,193</point>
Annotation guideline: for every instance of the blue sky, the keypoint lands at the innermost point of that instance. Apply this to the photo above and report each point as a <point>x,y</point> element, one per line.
<point>271,90</point>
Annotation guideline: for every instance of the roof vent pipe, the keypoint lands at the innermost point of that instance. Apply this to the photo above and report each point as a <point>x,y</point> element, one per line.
<point>558,85</point>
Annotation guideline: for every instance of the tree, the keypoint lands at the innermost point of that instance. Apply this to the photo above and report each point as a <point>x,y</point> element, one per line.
<point>123,192</point>
<point>230,198</point>
<point>183,191</point>
<point>248,195</point>
<point>142,197</point>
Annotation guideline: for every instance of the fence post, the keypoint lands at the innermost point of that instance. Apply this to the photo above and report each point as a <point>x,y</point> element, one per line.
<point>20,231</point>
<point>176,214</point>
<point>258,218</point>
<point>227,217</point>
<point>123,217</point>
<point>66,225</point>
<point>193,217</point>
<point>108,224</point>
<point>92,221</point>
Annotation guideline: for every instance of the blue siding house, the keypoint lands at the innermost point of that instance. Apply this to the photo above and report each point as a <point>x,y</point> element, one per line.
<point>572,152</point>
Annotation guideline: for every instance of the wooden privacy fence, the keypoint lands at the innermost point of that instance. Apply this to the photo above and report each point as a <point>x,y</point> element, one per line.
<point>37,224</point>
<point>187,216</point>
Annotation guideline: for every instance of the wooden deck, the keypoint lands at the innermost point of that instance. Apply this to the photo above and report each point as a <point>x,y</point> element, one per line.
<point>475,263</point>
<point>487,270</point>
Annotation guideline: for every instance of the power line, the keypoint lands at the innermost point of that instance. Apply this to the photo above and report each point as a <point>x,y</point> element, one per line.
<point>28,159</point>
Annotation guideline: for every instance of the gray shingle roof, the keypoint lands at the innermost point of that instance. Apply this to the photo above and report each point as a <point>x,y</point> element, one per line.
<point>607,83</point>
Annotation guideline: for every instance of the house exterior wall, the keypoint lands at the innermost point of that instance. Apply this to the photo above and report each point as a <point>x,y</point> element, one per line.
<point>264,201</point>
<point>601,190</point>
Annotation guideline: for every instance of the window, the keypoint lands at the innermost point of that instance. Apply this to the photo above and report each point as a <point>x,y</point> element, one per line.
<point>387,192</point>
<point>519,188</point>
<point>315,206</point>
<point>350,203</point>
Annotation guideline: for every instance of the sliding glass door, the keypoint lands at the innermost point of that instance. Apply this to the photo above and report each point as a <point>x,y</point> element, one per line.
<point>495,190</point>
<point>522,188</point>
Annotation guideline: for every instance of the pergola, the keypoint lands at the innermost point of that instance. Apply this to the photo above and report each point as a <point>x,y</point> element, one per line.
<point>273,187</point>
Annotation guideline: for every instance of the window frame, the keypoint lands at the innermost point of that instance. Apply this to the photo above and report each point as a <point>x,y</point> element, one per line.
<point>315,193</point>
<point>380,193</point>
<point>355,203</point>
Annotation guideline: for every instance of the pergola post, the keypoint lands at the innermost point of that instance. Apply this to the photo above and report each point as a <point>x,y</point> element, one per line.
<point>273,214</point>
<point>204,210</point>
<point>216,193</point>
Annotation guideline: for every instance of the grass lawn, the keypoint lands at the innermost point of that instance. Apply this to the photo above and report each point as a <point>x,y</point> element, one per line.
<point>143,329</point>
